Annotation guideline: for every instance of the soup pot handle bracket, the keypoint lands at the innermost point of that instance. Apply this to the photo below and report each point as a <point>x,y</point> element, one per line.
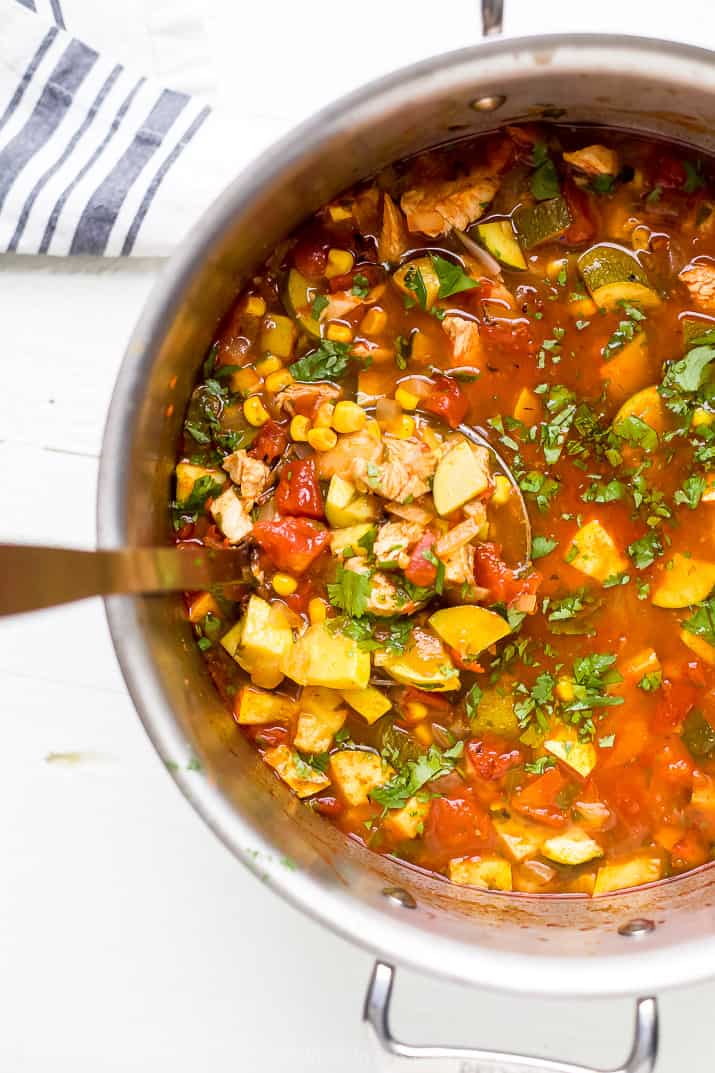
<point>432,1059</point>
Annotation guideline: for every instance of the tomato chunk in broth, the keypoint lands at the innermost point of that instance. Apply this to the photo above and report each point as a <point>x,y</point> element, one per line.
<point>540,723</point>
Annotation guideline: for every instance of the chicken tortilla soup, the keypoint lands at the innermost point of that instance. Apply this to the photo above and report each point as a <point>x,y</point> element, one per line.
<point>461,429</point>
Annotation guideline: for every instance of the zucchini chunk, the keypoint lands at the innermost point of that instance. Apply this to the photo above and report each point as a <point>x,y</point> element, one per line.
<point>298,296</point>
<point>498,237</point>
<point>684,582</point>
<point>495,715</point>
<point>580,757</point>
<point>303,779</point>
<point>489,873</point>
<point>469,629</point>
<point>345,507</point>
<point>613,275</point>
<point>424,664</point>
<point>572,846</point>
<point>543,222</point>
<point>356,772</point>
<point>629,872</point>
<point>596,552</point>
<point>520,838</point>
<point>406,279</point>
<point>256,707</point>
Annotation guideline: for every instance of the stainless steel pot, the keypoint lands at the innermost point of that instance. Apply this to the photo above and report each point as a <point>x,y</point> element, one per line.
<point>630,943</point>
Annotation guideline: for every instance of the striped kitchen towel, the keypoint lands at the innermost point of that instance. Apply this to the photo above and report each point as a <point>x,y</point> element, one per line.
<point>95,158</point>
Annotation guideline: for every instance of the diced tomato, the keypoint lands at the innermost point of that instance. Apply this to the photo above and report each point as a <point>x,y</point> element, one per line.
<point>291,543</point>
<point>463,663</point>
<point>583,226</point>
<point>541,799</point>
<point>419,570</point>
<point>670,172</point>
<point>432,700</point>
<point>491,756</point>
<point>672,763</point>
<point>370,272</point>
<point>327,806</point>
<point>509,336</point>
<point>501,582</point>
<point>447,401</point>
<point>270,443</point>
<point>267,736</point>
<point>310,256</point>
<point>500,152</point>
<point>625,791</point>
<point>299,600</point>
<point>298,490</point>
<point>456,827</point>
<point>527,135</point>
<point>676,700</point>
<point>690,851</point>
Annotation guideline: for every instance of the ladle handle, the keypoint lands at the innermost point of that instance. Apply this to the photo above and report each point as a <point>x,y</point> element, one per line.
<point>492,17</point>
<point>35,577</point>
<point>430,1059</point>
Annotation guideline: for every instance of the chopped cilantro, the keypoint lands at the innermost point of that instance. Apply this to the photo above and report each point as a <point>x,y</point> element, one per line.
<point>540,765</point>
<point>650,682</point>
<point>544,180</point>
<point>361,286</point>
<point>416,774</point>
<point>414,281</point>
<point>319,303</point>
<point>541,546</point>
<point>702,621</point>
<point>329,361</point>
<point>349,591</point>
<point>645,551</point>
<point>690,494</point>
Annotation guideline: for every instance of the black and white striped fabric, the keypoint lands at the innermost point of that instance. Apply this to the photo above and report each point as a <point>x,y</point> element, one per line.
<point>91,153</point>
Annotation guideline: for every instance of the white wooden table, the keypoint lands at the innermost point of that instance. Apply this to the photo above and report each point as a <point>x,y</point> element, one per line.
<point>129,938</point>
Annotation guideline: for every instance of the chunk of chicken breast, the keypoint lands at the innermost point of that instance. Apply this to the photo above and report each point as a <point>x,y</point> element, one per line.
<point>250,475</point>
<point>699,278</point>
<point>302,398</point>
<point>393,240</point>
<point>231,516</point>
<point>438,206</point>
<point>594,160</point>
<point>464,336</point>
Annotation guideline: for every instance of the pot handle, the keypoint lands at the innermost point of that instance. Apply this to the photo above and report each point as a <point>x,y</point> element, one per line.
<point>470,1060</point>
<point>492,17</point>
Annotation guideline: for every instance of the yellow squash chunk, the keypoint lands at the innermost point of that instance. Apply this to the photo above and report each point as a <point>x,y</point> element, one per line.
<point>489,873</point>
<point>257,707</point>
<point>648,405</point>
<point>317,727</point>
<point>370,703</point>
<point>408,822</point>
<point>278,335</point>
<point>322,658</point>
<point>349,538</point>
<point>684,582</point>
<point>627,371</point>
<point>708,495</point>
<point>345,508</point>
<point>572,846</point>
<point>579,756</point>
<point>462,473</point>
<point>630,872</point>
<point>703,797</point>
<point>698,645</point>
<point>596,552</point>
<point>469,629</point>
<point>425,664</point>
<point>519,838</point>
<point>495,714</point>
<point>187,474</point>
<point>303,779</point>
<point>356,772</point>
<point>407,274</point>
<point>527,407</point>
<point>261,642</point>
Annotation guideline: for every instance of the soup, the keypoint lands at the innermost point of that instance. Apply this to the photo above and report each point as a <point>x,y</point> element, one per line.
<point>524,321</point>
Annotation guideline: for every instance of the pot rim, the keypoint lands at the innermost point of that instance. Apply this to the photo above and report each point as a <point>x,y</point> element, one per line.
<point>390,935</point>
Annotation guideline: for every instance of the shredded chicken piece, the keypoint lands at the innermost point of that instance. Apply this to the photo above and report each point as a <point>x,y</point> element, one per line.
<point>441,205</point>
<point>350,457</point>
<point>231,516</point>
<point>416,455</point>
<point>525,603</point>
<point>594,160</point>
<point>250,475</point>
<point>394,539</point>
<point>464,334</point>
<point>459,572</point>
<point>339,305</point>
<point>699,278</point>
<point>373,351</point>
<point>302,398</point>
<point>393,240</point>
<point>365,208</point>
<point>403,475</point>
<point>411,512</point>
<point>457,537</point>
<point>383,598</point>
<point>477,510</point>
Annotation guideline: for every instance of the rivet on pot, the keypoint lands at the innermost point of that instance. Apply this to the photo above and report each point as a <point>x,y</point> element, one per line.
<point>636,928</point>
<point>489,103</point>
<point>400,897</point>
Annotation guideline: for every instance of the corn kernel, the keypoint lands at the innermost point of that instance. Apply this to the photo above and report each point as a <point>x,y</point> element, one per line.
<point>322,439</point>
<point>416,711</point>
<point>255,306</point>
<point>403,428</point>
<point>284,584</point>
<point>373,429</point>
<point>269,364</point>
<point>423,734</point>
<point>702,417</point>
<point>278,380</point>
<point>317,611</point>
<point>406,399</point>
<point>374,321</point>
<point>348,417</point>
<point>244,381</point>
<point>255,412</point>
<point>564,690</point>
<point>338,213</point>
<point>324,416</point>
<point>339,333</point>
<point>299,429</point>
<point>421,349</point>
<point>584,307</point>
<point>502,490</point>
<point>339,263</point>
